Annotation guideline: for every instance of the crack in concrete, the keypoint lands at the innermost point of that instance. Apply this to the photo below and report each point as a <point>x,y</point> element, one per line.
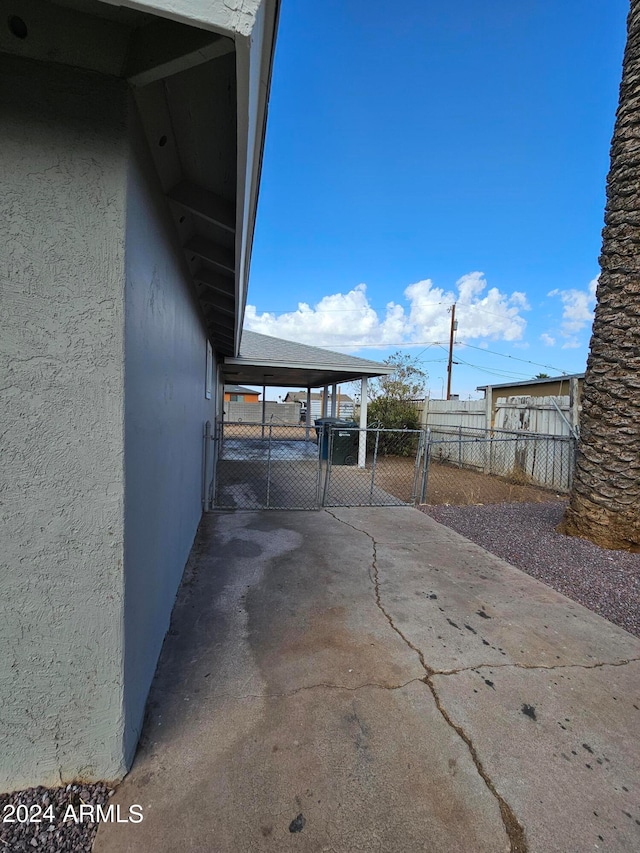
<point>512,826</point>
<point>533,666</point>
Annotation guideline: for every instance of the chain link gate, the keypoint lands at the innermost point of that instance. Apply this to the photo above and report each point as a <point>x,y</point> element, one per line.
<point>267,466</point>
<point>391,471</point>
<point>285,466</point>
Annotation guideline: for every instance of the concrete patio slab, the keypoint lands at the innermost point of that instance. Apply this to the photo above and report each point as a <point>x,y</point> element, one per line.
<point>366,679</point>
<point>559,744</point>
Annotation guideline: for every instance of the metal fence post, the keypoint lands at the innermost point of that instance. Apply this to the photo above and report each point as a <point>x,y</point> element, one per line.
<point>319,482</point>
<point>460,446</point>
<point>268,466</point>
<point>417,470</point>
<point>373,466</point>
<point>425,469</point>
<point>327,478</point>
<point>490,457</point>
<point>206,501</point>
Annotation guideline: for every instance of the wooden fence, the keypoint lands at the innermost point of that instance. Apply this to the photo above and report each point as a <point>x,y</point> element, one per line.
<point>525,439</point>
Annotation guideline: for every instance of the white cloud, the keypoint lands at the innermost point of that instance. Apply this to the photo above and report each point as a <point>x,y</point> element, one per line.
<point>493,315</point>
<point>349,320</point>
<point>577,310</point>
<point>336,320</point>
<point>548,340</point>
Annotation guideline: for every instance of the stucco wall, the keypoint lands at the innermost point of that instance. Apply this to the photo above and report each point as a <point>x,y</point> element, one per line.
<point>165,413</point>
<point>62,208</point>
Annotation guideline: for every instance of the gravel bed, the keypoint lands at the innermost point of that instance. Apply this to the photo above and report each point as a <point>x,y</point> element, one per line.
<point>27,835</point>
<point>523,534</point>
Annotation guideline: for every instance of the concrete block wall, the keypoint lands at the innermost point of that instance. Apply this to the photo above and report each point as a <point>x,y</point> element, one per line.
<point>251,413</point>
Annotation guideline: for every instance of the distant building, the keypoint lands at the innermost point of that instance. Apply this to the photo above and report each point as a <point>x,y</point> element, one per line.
<point>344,403</point>
<point>240,394</point>
<point>550,386</point>
<point>568,385</point>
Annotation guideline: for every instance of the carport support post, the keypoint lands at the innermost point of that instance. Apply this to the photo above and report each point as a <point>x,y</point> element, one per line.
<point>264,407</point>
<point>323,407</point>
<point>362,435</point>
<point>308,418</point>
<point>334,399</point>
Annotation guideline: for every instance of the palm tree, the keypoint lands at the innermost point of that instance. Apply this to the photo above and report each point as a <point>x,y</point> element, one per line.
<point>605,500</point>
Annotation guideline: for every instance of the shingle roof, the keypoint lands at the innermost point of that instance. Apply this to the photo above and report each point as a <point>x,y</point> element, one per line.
<point>265,360</point>
<point>301,397</point>
<point>265,348</point>
<point>239,389</point>
<point>546,380</point>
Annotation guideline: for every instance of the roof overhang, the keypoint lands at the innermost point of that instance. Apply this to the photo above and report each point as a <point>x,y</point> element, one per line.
<point>200,71</point>
<point>239,371</point>
<point>548,380</point>
<point>216,110</point>
<point>264,360</point>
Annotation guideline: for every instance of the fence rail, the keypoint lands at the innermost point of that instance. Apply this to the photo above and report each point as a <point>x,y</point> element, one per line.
<point>279,466</point>
<point>534,459</point>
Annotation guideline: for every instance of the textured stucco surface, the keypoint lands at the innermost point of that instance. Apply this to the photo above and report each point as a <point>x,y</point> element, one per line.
<point>102,411</point>
<point>62,205</point>
<point>228,16</point>
<point>165,413</point>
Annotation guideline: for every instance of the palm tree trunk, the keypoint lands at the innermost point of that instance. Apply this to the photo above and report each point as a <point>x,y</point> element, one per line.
<point>605,500</point>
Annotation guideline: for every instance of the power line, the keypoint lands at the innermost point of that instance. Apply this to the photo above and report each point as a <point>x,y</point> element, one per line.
<point>428,344</point>
<point>493,371</point>
<point>514,357</point>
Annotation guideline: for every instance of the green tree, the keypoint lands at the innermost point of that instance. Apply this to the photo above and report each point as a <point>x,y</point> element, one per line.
<point>542,376</point>
<point>392,408</point>
<point>407,382</point>
<point>605,498</point>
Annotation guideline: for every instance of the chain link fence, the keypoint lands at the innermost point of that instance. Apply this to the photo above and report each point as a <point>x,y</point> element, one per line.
<point>266,466</point>
<point>278,466</point>
<point>475,466</point>
<point>390,475</point>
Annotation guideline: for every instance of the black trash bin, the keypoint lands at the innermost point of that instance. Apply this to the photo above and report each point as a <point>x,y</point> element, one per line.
<point>344,439</point>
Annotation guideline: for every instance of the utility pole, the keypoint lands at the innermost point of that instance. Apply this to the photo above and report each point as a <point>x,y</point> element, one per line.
<point>454,326</point>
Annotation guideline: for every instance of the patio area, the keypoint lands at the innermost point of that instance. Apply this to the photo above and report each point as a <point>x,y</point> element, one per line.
<point>366,679</point>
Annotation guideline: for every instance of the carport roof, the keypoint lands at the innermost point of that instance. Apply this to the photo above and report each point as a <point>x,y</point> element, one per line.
<point>264,360</point>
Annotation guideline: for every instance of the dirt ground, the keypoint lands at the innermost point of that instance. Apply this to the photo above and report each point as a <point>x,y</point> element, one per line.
<point>452,486</point>
<point>447,485</point>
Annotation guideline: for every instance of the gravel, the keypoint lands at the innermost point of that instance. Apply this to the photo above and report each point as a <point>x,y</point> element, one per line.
<point>33,830</point>
<point>523,534</point>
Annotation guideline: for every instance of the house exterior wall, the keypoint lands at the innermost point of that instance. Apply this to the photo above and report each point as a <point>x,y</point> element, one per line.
<point>165,414</point>
<point>246,398</point>
<point>102,414</point>
<point>102,369</point>
<point>62,205</point>
<point>552,388</point>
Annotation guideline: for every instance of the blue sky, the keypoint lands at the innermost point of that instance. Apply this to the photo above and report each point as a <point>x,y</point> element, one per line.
<point>423,153</point>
